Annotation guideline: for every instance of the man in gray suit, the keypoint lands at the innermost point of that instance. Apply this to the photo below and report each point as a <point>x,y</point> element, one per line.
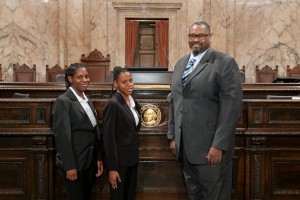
<point>204,109</point>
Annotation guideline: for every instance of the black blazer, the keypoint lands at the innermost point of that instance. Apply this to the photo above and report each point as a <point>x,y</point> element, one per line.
<point>77,141</point>
<point>120,133</point>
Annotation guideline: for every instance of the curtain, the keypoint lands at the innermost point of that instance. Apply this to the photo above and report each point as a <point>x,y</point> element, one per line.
<point>162,36</point>
<point>131,32</point>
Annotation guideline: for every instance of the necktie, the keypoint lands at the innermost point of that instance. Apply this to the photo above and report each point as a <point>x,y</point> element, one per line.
<point>189,68</point>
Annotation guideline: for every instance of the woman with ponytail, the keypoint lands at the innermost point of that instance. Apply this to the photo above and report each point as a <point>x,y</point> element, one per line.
<point>77,135</point>
<point>121,124</point>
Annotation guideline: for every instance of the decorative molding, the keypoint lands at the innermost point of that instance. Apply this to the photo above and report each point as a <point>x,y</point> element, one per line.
<point>45,132</point>
<point>95,56</point>
<point>41,182</point>
<point>145,6</point>
<point>257,175</point>
<point>258,142</point>
<point>149,132</point>
<point>277,132</point>
<point>162,190</point>
<point>39,142</point>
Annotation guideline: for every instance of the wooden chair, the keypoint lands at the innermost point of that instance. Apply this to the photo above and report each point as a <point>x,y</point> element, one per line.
<point>24,73</point>
<point>293,73</point>
<point>1,73</point>
<point>243,74</point>
<point>266,74</point>
<point>97,65</point>
<point>52,73</point>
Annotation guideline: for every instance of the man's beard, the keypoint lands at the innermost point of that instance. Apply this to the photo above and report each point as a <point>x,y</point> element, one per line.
<point>195,52</point>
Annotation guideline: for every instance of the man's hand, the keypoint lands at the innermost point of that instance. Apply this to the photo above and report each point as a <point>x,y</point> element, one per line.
<point>113,178</point>
<point>173,146</point>
<point>214,156</point>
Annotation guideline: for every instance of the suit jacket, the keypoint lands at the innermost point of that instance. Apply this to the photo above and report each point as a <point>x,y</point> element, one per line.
<point>77,141</point>
<point>205,112</point>
<point>120,133</point>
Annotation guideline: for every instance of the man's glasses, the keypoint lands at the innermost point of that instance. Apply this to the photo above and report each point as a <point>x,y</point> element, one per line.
<point>200,36</point>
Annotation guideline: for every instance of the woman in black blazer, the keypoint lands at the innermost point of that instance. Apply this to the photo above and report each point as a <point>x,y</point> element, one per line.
<point>77,135</point>
<point>121,124</point>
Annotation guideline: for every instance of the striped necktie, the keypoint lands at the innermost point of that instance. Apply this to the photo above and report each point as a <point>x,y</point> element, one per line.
<point>189,68</point>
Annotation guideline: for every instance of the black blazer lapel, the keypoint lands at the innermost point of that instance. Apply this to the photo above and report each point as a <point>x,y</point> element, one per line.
<point>126,107</point>
<point>75,101</point>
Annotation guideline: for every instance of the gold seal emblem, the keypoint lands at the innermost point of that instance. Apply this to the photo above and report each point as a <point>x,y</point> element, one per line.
<point>151,115</point>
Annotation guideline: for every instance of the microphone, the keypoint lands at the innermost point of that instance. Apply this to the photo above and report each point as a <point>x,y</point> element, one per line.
<point>165,56</point>
<point>132,53</point>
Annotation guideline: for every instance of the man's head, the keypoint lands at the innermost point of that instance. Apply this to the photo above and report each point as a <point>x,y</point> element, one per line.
<point>199,37</point>
<point>150,115</point>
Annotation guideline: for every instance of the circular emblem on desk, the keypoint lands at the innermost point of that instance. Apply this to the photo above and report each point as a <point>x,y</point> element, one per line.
<point>151,115</point>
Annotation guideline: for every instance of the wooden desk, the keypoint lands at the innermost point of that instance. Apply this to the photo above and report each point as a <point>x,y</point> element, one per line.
<point>142,90</point>
<point>266,162</point>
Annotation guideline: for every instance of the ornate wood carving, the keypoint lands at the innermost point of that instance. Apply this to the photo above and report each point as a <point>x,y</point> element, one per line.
<point>41,178</point>
<point>97,65</point>
<point>258,183</point>
<point>24,73</point>
<point>259,142</point>
<point>293,73</point>
<point>266,74</point>
<point>51,74</point>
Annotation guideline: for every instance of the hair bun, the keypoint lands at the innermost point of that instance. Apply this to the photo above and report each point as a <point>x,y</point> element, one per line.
<point>118,70</point>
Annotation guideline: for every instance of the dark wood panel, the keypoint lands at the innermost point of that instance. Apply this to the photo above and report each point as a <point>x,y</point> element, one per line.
<point>273,114</point>
<point>21,114</point>
<point>286,175</point>
<point>16,175</point>
<point>170,181</point>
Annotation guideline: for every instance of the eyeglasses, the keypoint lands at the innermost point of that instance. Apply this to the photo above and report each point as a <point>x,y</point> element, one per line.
<point>200,36</point>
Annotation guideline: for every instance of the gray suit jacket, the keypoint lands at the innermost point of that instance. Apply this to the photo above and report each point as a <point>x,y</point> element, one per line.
<point>205,112</point>
<point>77,141</point>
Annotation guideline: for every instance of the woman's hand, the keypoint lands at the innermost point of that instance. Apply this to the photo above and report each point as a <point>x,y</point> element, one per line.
<point>100,168</point>
<point>72,174</point>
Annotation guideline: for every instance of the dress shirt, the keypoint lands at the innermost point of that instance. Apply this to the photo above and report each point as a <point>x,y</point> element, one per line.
<point>198,58</point>
<point>86,107</point>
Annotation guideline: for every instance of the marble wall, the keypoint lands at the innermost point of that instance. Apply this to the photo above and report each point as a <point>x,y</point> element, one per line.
<point>49,32</point>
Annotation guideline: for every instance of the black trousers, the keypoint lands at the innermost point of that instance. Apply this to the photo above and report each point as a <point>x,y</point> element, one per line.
<point>127,187</point>
<point>81,188</point>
